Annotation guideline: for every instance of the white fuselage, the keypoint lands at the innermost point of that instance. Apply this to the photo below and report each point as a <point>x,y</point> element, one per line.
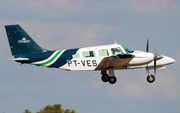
<point>141,59</point>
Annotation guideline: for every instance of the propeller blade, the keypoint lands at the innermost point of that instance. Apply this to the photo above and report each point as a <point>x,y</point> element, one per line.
<point>147,47</point>
<point>155,57</point>
<point>154,66</point>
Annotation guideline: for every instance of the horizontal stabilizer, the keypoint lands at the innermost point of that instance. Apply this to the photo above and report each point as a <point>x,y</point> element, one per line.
<point>20,59</point>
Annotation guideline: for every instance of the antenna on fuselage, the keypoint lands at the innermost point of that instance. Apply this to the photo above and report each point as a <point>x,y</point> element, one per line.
<point>114,41</point>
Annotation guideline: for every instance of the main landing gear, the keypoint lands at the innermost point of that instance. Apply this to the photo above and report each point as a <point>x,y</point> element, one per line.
<point>108,78</point>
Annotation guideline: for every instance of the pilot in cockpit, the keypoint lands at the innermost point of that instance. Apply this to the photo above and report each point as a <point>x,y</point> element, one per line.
<point>116,51</point>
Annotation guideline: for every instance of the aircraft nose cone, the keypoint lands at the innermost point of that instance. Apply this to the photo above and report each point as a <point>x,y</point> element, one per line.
<point>170,60</point>
<point>165,61</point>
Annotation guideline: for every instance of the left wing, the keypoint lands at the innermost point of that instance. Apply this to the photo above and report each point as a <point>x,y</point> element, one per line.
<point>116,62</point>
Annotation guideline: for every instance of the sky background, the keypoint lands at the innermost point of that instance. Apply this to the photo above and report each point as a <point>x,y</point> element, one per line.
<point>129,22</point>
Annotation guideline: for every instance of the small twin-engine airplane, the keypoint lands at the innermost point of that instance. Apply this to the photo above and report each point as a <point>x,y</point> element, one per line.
<point>104,58</point>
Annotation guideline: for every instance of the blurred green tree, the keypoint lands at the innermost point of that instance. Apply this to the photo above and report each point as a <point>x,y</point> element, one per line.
<point>27,111</point>
<point>56,108</point>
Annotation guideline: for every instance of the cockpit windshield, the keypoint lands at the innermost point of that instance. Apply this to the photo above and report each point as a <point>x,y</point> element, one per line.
<point>128,50</point>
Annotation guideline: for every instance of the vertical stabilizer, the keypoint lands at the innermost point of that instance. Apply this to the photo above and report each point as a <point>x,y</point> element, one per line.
<point>20,42</point>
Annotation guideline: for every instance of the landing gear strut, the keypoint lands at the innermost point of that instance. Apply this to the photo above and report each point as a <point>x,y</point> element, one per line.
<point>108,77</point>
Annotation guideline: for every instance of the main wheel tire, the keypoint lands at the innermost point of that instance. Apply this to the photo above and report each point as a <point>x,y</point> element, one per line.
<point>151,78</point>
<point>104,78</point>
<point>112,80</point>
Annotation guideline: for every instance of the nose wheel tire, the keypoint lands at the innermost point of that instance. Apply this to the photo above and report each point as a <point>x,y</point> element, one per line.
<point>112,80</point>
<point>150,78</point>
<point>104,78</point>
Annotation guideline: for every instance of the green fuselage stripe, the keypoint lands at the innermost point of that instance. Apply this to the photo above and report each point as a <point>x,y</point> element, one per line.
<point>49,61</point>
<point>114,56</point>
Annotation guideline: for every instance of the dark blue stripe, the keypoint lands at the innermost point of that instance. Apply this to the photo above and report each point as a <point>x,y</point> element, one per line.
<point>67,55</point>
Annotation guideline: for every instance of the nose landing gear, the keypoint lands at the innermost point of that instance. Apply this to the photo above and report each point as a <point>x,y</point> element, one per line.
<point>150,77</point>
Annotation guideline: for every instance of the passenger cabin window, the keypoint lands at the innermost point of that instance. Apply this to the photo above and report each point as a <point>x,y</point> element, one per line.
<point>88,54</point>
<point>116,51</point>
<point>76,55</point>
<point>103,52</point>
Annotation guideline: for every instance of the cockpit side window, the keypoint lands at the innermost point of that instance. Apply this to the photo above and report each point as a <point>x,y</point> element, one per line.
<point>116,51</point>
<point>128,50</point>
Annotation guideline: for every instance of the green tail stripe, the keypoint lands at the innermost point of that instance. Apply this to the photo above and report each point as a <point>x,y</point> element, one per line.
<point>49,61</point>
